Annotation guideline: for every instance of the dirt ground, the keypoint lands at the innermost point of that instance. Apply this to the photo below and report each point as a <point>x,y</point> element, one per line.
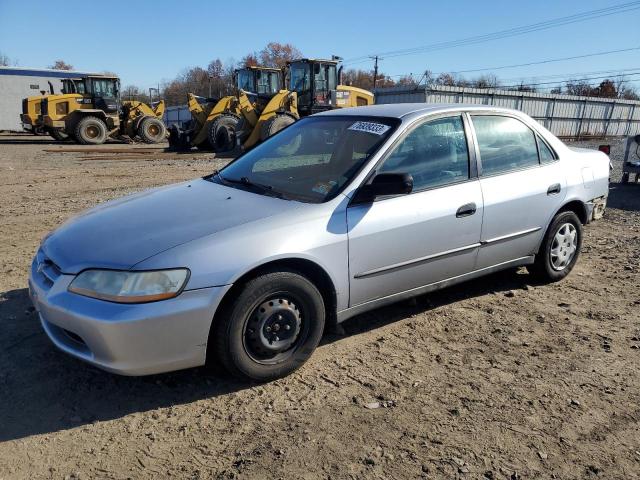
<point>498,378</point>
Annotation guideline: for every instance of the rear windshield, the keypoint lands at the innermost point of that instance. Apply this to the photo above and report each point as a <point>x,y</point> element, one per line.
<point>311,160</point>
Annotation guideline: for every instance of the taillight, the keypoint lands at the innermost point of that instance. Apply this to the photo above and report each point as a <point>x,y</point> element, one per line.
<point>605,149</point>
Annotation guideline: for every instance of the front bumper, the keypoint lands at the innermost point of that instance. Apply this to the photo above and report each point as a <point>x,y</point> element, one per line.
<point>133,339</point>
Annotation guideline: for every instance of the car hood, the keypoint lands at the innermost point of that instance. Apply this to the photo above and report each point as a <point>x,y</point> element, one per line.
<point>121,233</point>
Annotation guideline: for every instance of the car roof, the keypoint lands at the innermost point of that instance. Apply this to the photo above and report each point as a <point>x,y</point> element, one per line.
<point>402,110</point>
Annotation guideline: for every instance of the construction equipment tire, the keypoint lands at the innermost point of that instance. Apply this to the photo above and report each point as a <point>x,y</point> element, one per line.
<point>91,131</point>
<point>152,130</point>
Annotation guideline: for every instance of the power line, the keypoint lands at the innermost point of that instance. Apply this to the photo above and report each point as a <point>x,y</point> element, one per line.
<point>553,60</point>
<point>579,17</point>
<point>556,82</point>
<point>614,72</point>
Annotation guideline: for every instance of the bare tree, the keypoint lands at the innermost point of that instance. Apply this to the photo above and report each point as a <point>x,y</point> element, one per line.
<point>61,65</point>
<point>277,55</point>
<point>249,60</point>
<point>5,61</point>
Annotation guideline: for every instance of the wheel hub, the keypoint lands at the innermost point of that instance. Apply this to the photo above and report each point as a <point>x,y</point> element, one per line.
<point>92,132</point>
<point>564,246</point>
<point>274,327</point>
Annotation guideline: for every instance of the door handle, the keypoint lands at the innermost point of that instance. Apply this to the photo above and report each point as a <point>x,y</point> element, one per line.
<point>553,189</point>
<point>466,210</point>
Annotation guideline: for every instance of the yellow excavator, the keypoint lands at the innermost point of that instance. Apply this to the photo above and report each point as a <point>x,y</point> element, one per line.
<point>313,86</point>
<point>31,111</point>
<point>261,107</point>
<point>90,111</point>
<point>214,121</point>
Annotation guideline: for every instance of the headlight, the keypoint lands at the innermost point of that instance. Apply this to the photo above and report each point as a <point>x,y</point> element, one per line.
<point>130,287</point>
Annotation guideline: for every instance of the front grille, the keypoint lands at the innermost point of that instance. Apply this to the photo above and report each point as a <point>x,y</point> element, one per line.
<point>48,271</point>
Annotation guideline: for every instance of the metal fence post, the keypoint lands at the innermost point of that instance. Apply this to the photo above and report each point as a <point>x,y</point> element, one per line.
<point>553,112</point>
<point>584,109</point>
<point>606,127</point>
<point>632,111</point>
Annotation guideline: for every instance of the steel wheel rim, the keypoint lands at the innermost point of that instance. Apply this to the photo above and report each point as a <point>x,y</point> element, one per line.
<point>564,246</point>
<point>154,130</point>
<point>274,330</point>
<point>92,131</point>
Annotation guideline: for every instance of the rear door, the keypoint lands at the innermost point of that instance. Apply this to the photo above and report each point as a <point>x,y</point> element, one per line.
<point>405,242</point>
<point>522,186</point>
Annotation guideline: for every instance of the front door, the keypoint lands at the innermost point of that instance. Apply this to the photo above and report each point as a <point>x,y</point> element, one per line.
<point>405,242</point>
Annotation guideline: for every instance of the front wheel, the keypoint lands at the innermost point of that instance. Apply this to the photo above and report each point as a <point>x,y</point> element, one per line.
<point>152,130</point>
<point>91,131</point>
<point>560,248</point>
<point>271,328</point>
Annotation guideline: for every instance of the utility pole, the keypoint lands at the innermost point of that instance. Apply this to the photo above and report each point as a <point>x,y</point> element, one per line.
<point>375,70</point>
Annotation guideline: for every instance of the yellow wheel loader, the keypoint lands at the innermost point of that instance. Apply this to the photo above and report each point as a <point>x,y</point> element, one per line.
<point>91,111</point>
<point>313,87</point>
<point>31,108</point>
<point>215,123</point>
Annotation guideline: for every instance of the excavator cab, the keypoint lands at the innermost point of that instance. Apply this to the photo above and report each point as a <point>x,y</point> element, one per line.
<point>261,82</point>
<point>104,92</point>
<point>315,82</point>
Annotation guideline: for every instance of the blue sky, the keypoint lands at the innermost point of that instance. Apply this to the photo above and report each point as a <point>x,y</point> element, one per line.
<point>147,42</point>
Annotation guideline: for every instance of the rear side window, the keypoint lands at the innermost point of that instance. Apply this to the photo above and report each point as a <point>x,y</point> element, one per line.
<point>434,153</point>
<point>546,155</point>
<point>505,144</point>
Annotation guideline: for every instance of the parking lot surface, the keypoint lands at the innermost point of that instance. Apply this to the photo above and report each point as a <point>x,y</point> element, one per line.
<point>495,378</point>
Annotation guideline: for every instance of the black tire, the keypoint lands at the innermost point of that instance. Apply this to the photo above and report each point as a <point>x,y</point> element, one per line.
<point>245,338</point>
<point>58,135</point>
<point>554,260</point>
<point>243,130</point>
<point>152,130</point>
<point>222,132</point>
<point>275,124</point>
<point>91,131</point>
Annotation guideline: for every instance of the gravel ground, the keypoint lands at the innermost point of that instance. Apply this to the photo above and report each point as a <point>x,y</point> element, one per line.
<point>499,378</point>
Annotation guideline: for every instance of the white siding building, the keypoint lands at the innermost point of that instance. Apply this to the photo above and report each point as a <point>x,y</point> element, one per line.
<point>17,83</point>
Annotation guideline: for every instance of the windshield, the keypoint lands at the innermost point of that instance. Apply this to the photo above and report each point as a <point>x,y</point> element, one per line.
<point>245,80</point>
<point>268,82</point>
<point>299,77</point>
<point>310,161</point>
<point>104,88</point>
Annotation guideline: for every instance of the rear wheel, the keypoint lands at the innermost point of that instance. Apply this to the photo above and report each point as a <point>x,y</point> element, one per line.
<point>222,132</point>
<point>59,135</point>
<point>91,131</point>
<point>275,124</point>
<point>560,248</point>
<point>152,130</point>
<point>271,327</point>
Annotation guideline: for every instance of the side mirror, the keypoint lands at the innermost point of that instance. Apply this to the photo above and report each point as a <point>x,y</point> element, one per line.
<point>384,184</point>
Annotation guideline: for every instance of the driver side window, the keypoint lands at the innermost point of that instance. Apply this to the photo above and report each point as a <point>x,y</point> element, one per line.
<point>434,153</point>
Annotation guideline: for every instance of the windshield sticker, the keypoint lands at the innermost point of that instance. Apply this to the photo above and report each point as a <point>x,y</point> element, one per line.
<point>370,127</point>
<point>324,188</point>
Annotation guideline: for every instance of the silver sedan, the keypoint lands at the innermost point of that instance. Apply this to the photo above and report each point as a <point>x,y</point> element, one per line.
<point>339,213</point>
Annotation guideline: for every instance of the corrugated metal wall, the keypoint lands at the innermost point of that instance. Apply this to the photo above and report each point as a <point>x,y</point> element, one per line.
<point>565,115</point>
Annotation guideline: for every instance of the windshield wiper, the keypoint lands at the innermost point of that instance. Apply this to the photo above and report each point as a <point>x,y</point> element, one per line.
<point>266,189</point>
